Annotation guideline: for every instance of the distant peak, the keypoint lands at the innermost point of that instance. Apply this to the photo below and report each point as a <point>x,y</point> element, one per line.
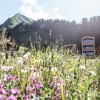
<point>18,14</point>
<point>16,19</point>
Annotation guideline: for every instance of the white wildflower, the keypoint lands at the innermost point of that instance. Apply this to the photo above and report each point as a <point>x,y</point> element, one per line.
<point>41,60</point>
<point>93,61</point>
<point>4,67</point>
<point>44,69</point>
<point>53,69</point>
<point>20,58</point>
<point>24,71</point>
<point>31,68</point>
<point>10,68</point>
<point>3,54</point>
<point>92,73</point>
<point>35,74</point>
<point>20,62</point>
<point>27,55</point>
<point>7,68</point>
<point>82,66</point>
<point>50,55</point>
<point>5,77</point>
<point>88,97</point>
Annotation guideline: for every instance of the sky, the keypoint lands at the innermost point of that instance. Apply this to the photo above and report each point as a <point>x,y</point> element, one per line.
<point>50,9</point>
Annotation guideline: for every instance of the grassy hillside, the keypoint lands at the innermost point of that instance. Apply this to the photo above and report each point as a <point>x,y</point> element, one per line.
<point>15,20</point>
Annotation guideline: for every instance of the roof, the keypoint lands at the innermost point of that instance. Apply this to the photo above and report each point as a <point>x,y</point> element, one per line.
<point>88,37</point>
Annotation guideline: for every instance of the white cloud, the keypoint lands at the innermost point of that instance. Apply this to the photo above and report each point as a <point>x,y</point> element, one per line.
<point>58,16</point>
<point>29,2</point>
<point>0,17</point>
<point>34,13</point>
<point>32,9</point>
<point>56,9</point>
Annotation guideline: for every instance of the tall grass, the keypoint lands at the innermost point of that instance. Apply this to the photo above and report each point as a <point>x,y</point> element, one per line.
<point>49,75</point>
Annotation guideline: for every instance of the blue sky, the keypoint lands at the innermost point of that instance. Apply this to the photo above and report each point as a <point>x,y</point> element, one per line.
<point>62,9</point>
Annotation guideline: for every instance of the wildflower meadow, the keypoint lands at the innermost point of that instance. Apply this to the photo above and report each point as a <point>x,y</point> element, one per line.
<point>49,75</point>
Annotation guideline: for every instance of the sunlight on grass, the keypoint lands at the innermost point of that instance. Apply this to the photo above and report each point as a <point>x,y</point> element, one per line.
<point>49,75</point>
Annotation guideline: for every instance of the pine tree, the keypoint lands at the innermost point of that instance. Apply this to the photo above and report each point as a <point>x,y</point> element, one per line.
<point>29,43</point>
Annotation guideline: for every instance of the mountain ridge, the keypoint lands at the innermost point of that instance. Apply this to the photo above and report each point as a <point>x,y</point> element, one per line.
<point>15,20</point>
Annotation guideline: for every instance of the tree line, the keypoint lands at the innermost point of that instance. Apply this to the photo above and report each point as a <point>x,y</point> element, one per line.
<point>57,31</point>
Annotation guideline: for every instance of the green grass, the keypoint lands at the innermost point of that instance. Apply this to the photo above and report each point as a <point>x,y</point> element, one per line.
<point>51,75</point>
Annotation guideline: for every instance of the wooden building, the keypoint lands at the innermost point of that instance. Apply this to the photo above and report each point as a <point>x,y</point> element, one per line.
<point>88,46</point>
<point>72,47</point>
<point>98,50</point>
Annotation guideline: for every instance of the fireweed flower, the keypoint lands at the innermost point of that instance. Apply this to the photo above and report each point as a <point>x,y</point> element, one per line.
<point>2,97</point>
<point>16,78</point>
<point>2,91</point>
<point>8,78</point>
<point>15,91</point>
<point>35,75</point>
<point>25,97</point>
<point>18,91</point>
<point>53,84</point>
<point>58,91</point>
<point>1,85</point>
<point>38,86</point>
<point>11,97</point>
<point>60,83</point>
<point>28,88</point>
<point>41,84</point>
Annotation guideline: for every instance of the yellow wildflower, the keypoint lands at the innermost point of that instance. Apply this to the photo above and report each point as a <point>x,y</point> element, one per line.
<point>36,61</point>
<point>41,67</point>
<point>53,73</point>
<point>47,70</point>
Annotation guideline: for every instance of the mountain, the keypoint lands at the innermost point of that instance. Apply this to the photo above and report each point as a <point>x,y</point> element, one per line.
<point>15,20</point>
<point>62,31</point>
